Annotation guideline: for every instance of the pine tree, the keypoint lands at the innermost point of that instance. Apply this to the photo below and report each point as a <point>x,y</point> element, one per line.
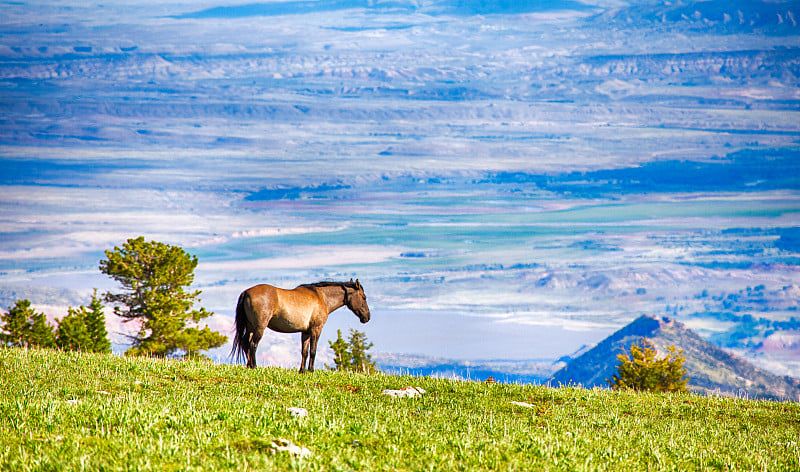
<point>193,340</point>
<point>16,324</point>
<point>153,276</point>
<point>341,354</point>
<point>84,329</point>
<point>352,355</point>
<point>71,334</point>
<point>42,334</point>
<point>95,322</point>
<point>642,371</point>
<point>25,328</point>
<point>359,359</point>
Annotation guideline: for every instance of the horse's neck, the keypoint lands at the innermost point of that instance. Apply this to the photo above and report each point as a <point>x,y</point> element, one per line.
<point>333,296</point>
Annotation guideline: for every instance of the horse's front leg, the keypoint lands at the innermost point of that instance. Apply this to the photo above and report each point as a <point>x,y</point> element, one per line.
<point>305,342</point>
<point>313,353</point>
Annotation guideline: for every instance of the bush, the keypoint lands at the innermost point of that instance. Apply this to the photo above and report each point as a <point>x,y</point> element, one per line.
<point>642,371</point>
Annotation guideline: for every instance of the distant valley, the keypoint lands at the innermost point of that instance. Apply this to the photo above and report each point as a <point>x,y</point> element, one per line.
<point>546,172</point>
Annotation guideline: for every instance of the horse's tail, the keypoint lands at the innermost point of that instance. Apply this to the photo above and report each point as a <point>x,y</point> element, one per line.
<point>238,352</point>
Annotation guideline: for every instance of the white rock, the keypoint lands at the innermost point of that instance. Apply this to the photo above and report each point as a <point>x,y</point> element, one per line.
<point>408,392</point>
<point>284,445</point>
<point>523,404</point>
<point>297,411</point>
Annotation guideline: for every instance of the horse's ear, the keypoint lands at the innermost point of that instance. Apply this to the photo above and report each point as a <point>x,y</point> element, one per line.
<point>358,285</point>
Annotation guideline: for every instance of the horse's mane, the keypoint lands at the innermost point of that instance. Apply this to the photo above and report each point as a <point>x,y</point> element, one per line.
<point>327,283</point>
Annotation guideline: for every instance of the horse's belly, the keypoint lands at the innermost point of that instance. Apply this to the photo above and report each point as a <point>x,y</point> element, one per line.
<point>286,324</point>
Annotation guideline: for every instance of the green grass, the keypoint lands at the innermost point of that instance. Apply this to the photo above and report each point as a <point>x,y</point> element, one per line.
<point>69,411</point>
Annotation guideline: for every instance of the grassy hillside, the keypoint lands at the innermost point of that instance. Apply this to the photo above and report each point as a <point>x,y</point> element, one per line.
<point>67,411</point>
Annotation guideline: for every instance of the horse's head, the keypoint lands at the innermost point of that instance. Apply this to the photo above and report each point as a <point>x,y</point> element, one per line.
<point>356,300</point>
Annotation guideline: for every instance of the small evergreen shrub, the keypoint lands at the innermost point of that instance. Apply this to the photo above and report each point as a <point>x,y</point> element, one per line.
<point>642,371</point>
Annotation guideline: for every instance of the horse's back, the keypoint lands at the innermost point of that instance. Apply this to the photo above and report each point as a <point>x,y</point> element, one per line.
<point>286,311</point>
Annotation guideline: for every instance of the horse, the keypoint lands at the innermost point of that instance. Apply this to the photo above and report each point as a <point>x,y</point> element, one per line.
<point>304,309</point>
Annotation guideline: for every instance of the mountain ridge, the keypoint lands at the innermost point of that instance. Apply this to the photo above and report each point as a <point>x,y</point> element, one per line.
<point>710,368</point>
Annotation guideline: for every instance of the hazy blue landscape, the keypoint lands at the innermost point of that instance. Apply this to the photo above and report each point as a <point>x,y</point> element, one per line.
<point>510,181</point>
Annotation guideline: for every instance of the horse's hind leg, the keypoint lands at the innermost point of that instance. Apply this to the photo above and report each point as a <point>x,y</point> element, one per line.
<point>305,340</point>
<point>252,345</point>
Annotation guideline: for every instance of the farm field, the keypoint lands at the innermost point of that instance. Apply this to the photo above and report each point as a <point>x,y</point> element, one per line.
<point>68,411</point>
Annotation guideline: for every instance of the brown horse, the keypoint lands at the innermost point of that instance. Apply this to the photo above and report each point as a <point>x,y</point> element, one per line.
<point>304,309</point>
